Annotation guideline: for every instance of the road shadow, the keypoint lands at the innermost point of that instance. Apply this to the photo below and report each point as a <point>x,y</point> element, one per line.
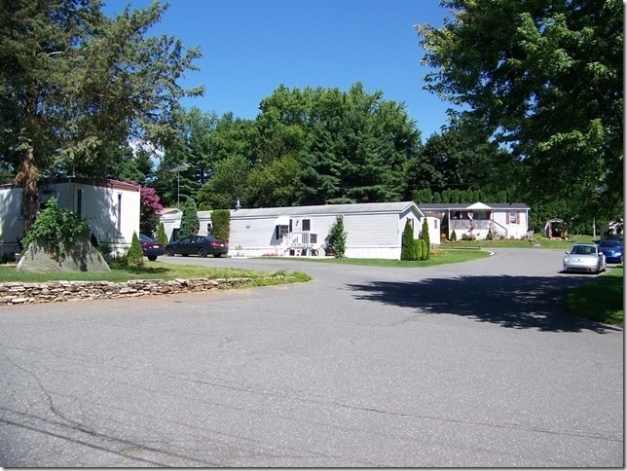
<point>518,302</point>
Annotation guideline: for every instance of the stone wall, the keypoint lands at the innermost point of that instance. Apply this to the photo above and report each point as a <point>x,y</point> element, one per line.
<point>56,291</point>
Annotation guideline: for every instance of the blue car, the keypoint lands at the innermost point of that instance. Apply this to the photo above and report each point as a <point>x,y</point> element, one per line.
<point>612,249</point>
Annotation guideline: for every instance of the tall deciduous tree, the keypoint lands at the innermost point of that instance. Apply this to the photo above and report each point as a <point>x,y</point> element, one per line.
<point>546,77</point>
<point>75,85</point>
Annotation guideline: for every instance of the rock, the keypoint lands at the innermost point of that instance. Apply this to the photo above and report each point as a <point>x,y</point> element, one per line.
<point>82,257</point>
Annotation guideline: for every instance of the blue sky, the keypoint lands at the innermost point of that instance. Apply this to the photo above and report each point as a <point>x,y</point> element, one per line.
<point>250,47</point>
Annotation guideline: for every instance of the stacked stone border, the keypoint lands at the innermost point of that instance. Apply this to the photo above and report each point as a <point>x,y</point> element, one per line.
<point>16,293</point>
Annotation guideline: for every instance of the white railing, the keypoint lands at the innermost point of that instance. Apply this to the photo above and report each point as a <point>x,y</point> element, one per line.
<point>300,239</point>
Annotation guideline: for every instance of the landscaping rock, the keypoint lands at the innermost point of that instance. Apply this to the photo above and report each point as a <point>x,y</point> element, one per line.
<point>82,257</point>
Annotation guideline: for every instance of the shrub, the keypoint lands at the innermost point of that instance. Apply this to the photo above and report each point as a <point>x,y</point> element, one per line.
<point>161,235</point>
<point>408,246</point>
<point>338,237</point>
<point>417,249</point>
<point>135,256</point>
<point>57,230</point>
<point>221,222</point>
<point>453,236</point>
<point>489,236</point>
<point>424,250</point>
<point>425,236</point>
<point>189,219</point>
<point>150,208</point>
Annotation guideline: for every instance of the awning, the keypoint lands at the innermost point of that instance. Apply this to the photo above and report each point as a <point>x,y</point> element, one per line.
<point>478,206</point>
<point>282,221</point>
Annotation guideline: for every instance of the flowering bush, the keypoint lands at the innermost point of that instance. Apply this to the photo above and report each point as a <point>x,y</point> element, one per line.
<point>149,211</point>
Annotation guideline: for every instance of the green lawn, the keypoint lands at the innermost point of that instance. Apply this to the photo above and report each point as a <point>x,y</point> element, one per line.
<point>441,257</point>
<point>155,270</point>
<point>543,242</point>
<point>600,300</point>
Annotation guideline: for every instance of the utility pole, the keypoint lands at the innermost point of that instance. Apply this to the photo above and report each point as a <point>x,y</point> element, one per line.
<point>180,167</point>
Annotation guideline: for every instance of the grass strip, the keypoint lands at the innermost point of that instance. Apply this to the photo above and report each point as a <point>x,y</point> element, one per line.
<point>441,257</point>
<point>600,300</point>
<point>155,270</point>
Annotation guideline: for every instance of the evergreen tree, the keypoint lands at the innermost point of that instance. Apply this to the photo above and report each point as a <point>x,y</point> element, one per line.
<point>189,219</point>
<point>338,237</point>
<point>408,247</point>
<point>135,255</point>
<point>161,235</point>
<point>425,236</point>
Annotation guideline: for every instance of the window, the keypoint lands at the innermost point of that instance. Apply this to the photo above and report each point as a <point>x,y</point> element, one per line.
<point>209,228</point>
<point>119,211</point>
<point>175,234</point>
<point>79,201</point>
<point>306,225</point>
<point>512,217</point>
<point>411,222</point>
<point>280,231</point>
<point>435,223</point>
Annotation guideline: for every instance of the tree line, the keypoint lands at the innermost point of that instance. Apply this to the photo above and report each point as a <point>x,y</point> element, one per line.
<point>541,85</point>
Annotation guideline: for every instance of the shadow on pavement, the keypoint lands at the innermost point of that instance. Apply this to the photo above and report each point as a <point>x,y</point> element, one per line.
<point>517,302</point>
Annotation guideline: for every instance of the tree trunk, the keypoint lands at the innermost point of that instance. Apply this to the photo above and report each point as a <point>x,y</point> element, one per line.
<point>27,179</point>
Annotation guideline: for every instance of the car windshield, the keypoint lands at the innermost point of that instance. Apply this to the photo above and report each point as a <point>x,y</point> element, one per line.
<point>145,238</point>
<point>610,243</point>
<point>583,250</point>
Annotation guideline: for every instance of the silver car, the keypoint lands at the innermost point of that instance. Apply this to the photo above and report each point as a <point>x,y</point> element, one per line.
<point>585,258</point>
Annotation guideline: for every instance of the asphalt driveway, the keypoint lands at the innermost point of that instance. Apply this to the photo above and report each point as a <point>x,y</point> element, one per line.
<point>473,365</point>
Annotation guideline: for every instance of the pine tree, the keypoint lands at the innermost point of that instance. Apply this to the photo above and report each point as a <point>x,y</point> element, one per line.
<point>425,236</point>
<point>338,237</point>
<point>408,248</point>
<point>161,235</point>
<point>189,219</point>
<point>135,255</point>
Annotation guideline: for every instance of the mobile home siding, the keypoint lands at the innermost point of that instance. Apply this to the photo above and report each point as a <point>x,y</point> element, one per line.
<point>11,220</point>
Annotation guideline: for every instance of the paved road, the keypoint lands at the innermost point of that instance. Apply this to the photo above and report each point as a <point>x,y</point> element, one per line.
<point>474,364</point>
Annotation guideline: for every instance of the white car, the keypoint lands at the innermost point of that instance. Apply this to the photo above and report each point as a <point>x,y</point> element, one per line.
<point>584,258</point>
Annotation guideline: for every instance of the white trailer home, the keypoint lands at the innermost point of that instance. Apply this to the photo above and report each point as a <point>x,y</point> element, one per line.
<point>509,221</point>
<point>374,230</point>
<point>110,207</point>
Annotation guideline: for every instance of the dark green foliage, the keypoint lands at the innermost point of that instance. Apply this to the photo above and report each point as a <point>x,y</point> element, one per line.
<point>517,68</point>
<point>418,249</point>
<point>338,237</point>
<point>221,224</point>
<point>77,84</point>
<point>453,236</point>
<point>425,251</point>
<point>135,256</point>
<point>408,247</point>
<point>189,219</point>
<point>490,236</point>
<point>161,235</point>
<point>56,229</point>
<point>425,236</point>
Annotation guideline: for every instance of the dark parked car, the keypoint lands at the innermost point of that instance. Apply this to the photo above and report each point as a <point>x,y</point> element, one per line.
<point>200,245</point>
<point>151,248</point>
<point>612,249</point>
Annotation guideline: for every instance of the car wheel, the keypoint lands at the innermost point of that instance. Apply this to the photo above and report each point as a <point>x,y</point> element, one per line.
<point>202,252</point>
<point>152,258</point>
<point>217,255</point>
<point>170,252</point>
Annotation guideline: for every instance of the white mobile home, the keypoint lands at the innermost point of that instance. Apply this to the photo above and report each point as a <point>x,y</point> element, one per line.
<point>110,207</point>
<point>374,230</point>
<point>509,221</point>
